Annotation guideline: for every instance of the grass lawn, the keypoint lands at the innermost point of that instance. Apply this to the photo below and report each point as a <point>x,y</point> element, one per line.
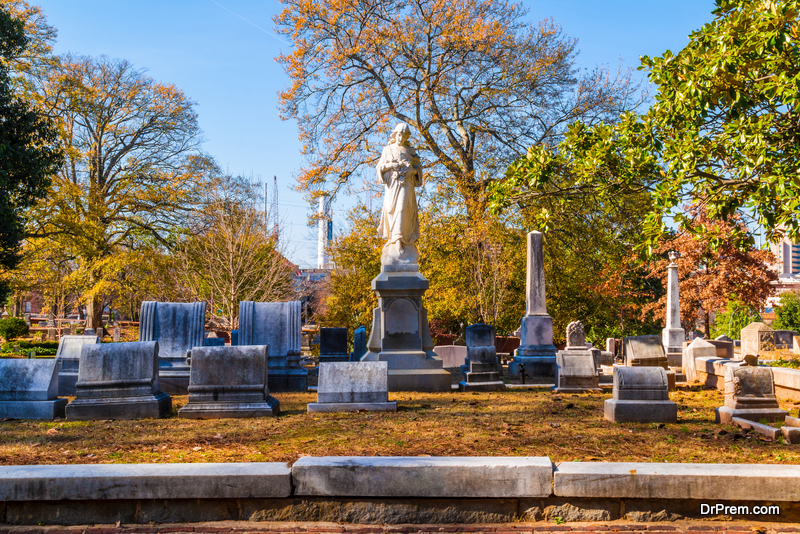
<point>531,422</point>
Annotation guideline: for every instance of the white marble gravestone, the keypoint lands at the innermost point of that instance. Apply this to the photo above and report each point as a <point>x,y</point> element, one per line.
<point>178,327</point>
<point>278,325</point>
<point>229,382</point>
<point>119,381</point>
<point>29,389</point>
<point>68,356</point>
<point>698,348</point>
<point>673,335</point>
<point>352,386</point>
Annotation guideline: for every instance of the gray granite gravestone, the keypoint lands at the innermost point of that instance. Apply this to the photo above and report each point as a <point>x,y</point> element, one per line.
<point>577,365</point>
<point>178,327</point>
<point>536,351</point>
<point>333,345</point>
<point>229,382</point>
<point>641,395</point>
<point>278,326</point>
<point>484,374</point>
<point>29,389</point>
<point>359,343</point>
<point>234,338</point>
<point>644,351</point>
<point>119,381</point>
<point>749,393</point>
<point>214,342</point>
<point>68,356</point>
<point>698,348</point>
<point>351,386</point>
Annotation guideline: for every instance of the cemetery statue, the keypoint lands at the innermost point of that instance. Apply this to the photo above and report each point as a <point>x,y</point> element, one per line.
<point>400,171</point>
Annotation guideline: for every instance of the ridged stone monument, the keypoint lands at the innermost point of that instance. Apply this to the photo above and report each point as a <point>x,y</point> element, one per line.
<point>400,334</point>
<point>536,352</point>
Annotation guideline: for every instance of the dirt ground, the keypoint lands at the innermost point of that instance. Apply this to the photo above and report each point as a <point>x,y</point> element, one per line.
<point>519,422</point>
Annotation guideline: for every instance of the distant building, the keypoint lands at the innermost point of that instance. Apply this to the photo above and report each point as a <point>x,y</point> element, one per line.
<point>787,254</point>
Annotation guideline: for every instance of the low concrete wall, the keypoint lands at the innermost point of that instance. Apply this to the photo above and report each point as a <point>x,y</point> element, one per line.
<point>397,490</point>
<point>711,372</point>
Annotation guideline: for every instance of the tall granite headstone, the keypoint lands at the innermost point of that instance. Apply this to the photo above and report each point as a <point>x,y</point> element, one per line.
<point>577,365</point>
<point>278,325</point>
<point>178,327</point>
<point>359,343</point>
<point>749,393</point>
<point>229,382</point>
<point>333,345</point>
<point>673,334</point>
<point>484,371</point>
<point>29,389</point>
<point>641,395</point>
<point>352,386</point>
<point>119,381</point>
<point>536,352</point>
<point>68,356</point>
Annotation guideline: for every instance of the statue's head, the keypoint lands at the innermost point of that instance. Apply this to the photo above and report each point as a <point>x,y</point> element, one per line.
<point>400,134</point>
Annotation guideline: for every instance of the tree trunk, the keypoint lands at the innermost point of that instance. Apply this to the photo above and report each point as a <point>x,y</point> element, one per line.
<point>707,325</point>
<point>94,313</point>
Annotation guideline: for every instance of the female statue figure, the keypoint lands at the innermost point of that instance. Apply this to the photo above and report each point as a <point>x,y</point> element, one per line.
<point>400,171</point>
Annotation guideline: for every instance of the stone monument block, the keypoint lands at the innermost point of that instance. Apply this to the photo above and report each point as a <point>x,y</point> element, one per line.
<point>234,338</point>
<point>68,356</point>
<point>452,355</point>
<point>673,335</point>
<point>484,372</point>
<point>756,338</point>
<point>278,325</point>
<point>178,327</point>
<point>749,394</point>
<point>641,395</point>
<point>229,382</point>
<point>359,343</point>
<point>29,389</point>
<point>213,342</point>
<point>783,339</point>
<point>351,386</point>
<point>333,345</point>
<point>644,351</point>
<point>698,348</point>
<point>119,381</point>
<point>576,371</point>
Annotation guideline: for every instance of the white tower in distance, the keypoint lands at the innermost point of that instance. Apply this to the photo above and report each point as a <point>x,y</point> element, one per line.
<point>323,232</point>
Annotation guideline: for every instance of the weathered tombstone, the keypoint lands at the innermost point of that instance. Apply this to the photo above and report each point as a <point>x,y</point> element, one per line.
<point>278,326</point>
<point>611,345</point>
<point>756,338</point>
<point>89,332</point>
<point>178,327</point>
<point>100,332</point>
<point>359,343</point>
<point>576,366</point>
<point>484,374</point>
<point>452,355</point>
<point>673,335</point>
<point>351,386</point>
<point>698,348</point>
<point>28,319</point>
<point>333,345</point>
<point>52,334</point>
<point>234,338</point>
<point>68,356</point>
<point>536,352</point>
<point>641,395</point>
<point>214,342</point>
<point>29,389</point>
<point>644,351</point>
<point>783,339</point>
<point>119,381</point>
<point>749,393</point>
<point>51,320</point>
<point>229,382</point>
<point>116,334</point>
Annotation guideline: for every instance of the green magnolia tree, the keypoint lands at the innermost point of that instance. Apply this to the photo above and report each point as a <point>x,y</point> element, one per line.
<point>787,313</point>
<point>28,149</point>
<point>722,133</point>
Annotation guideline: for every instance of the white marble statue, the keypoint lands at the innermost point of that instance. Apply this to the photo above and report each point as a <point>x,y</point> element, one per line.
<point>400,171</point>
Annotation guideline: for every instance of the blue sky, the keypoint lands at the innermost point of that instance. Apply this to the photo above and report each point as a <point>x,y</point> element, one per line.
<point>221,54</point>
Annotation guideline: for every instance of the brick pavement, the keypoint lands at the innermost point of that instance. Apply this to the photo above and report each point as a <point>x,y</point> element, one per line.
<point>688,527</point>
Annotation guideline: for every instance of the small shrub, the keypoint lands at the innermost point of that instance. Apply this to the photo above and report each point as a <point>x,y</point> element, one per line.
<point>41,348</point>
<point>12,328</point>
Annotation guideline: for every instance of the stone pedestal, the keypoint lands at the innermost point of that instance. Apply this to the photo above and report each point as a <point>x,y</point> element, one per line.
<point>484,371</point>
<point>673,336</point>
<point>229,382</point>
<point>29,389</point>
<point>400,334</point>
<point>749,394</point>
<point>353,386</point>
<point>68,356</point>
<point>536,351</point>
<point>119,381</point>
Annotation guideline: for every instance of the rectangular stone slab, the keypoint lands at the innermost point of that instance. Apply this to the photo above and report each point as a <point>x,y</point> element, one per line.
<point>709,482</point>
<point>145,481</point>
<point>353,382</point>
<point>386,476</point>
<point>28,380</point>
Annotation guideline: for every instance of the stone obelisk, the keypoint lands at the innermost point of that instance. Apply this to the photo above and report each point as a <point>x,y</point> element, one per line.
<point>536,352</point>
<point>673,336</point>
<point>400,333</point>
